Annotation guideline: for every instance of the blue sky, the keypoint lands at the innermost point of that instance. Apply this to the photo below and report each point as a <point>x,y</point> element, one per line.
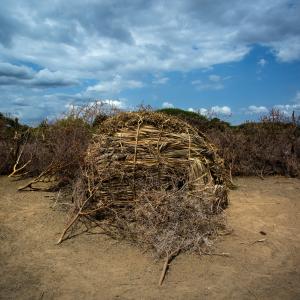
<point>234,59</point>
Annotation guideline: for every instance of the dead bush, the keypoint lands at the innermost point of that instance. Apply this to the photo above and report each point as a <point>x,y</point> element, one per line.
<point>262,149</point>
<point>54,151</point>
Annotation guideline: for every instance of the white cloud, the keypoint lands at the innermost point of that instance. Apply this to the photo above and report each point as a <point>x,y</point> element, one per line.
<point>262,62</point>
<point>213,82</point>
<point>222,110</point>
<point>288,108</point>
<point>57,36</point>
<point>96,40</point>
<point>115,86</point>
<point>160,80</point>
<point>297,97</point>
<point>214,78</point>
<point>203,111</point>
<point>114,103</point>
<point>117,103</point>
<point>284,108</point>
<point>288,49</point>
<point>253,109</point>
<point>167,105</point>
<point>196,82</point>
<point>214,110</point>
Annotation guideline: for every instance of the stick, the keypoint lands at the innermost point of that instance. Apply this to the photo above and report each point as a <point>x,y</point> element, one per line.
<point>217,254</point>
<point>67,228</point>
<point>79,213</point>
<point>258,241</point>
<point>164,271</point>
<point>15,169</point>
<point>169,258</point>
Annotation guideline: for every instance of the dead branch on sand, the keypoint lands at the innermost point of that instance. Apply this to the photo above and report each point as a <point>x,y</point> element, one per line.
<point>168,260</point>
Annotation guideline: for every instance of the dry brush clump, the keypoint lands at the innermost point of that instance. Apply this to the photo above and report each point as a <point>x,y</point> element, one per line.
<point>53,152</point>
<point>12,134</point>
<point>260,149</point>
<point>152,180</point>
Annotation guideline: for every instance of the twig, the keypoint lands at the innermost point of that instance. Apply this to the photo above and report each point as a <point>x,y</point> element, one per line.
<point>79,213</point>
<point>217,254</point>
<point>252,243</point>
<point>226,232</point>
<point>57,197</point>
<point>169,258</point>
<point>258,241</point>
<point>67,228</point>
<point>15,169</point>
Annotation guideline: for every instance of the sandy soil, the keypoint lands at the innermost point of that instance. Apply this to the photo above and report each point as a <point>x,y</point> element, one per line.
<point>91,266</point>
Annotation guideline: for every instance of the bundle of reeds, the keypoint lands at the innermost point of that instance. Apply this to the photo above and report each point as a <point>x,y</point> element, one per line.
<point>154,180</point>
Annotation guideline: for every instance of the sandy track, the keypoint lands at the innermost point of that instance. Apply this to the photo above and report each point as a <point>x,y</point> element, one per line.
<point>92,266</point>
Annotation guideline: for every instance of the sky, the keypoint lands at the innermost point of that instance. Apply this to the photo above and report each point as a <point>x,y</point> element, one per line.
<point>233,59</point>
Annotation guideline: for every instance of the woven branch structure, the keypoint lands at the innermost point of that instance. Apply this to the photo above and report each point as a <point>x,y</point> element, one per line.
<point>152,178</point>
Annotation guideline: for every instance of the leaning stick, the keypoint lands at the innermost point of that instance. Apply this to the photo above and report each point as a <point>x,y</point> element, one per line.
<point>74,219</point>
<point>15,169</point>
<point>164,271</point>
<point>67,228</point>
<point>166,265</point>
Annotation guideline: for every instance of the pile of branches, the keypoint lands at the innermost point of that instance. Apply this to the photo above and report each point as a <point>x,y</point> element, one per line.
<point>152,180</point>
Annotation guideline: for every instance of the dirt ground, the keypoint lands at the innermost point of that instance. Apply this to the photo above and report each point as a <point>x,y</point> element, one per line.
<point>92,266</point>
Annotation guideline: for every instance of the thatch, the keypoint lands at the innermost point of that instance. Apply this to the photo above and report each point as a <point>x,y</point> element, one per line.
<point>154,180</point>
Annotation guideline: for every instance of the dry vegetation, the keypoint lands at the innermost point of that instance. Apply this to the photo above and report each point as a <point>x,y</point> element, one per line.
<point>151,178</point>
<point>268,147</point>
<point>51,151</point>
<point>157,188</point>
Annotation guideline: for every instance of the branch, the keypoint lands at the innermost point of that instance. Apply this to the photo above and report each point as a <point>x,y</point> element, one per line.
<point>168,260</point>
<point>15,169</point>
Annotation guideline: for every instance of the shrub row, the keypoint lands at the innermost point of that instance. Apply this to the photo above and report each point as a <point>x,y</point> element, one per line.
<point>58,146</point>
<point>268,147</point>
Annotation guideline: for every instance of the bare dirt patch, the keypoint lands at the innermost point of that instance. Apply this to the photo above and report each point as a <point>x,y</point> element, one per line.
<point>92,266</point>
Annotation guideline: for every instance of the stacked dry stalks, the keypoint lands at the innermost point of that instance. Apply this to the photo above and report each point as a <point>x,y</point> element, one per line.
<point>153,180</point>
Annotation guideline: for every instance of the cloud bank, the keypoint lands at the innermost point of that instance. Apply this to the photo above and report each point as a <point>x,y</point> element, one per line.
<point>99,37</point>
<point>113,42</point>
